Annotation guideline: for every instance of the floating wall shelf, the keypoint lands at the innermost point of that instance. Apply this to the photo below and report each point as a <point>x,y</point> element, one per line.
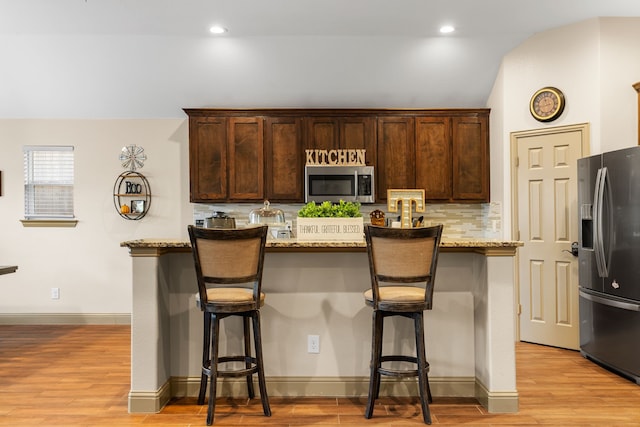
<point>132,195</point>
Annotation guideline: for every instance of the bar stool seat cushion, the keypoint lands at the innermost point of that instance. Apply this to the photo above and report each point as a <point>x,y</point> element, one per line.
<point>400,294</point>
<point>232,295</point>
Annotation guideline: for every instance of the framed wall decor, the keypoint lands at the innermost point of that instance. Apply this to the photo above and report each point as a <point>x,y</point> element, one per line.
<point>137,206</point>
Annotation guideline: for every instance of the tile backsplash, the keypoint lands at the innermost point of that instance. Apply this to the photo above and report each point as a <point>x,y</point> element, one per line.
<point>460,220</point>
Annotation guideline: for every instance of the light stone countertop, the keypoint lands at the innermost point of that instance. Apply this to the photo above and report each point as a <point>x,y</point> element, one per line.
<point>490,247</point>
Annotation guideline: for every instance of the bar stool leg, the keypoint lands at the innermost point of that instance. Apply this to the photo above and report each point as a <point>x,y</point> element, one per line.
<point>376,352</point>
<point>423,380</point>
<point>215,324</point>
<point>257,336</point>
<point>247,354</point>
<point>206,351</point>
<point>380,333</point>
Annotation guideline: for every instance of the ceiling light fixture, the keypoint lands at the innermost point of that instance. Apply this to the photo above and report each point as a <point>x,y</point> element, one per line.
<point>216,29</point>
<point>446,29</point>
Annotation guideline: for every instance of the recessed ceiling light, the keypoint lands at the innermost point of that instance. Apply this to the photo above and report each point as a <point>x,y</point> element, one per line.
<point>216,29</point>
<point>445,29</point>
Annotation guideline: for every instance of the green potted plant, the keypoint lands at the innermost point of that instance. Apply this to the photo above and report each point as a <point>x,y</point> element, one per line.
<point>341,222</point>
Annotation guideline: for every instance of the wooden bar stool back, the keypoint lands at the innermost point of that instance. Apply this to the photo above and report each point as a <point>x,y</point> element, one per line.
<point>402,262</point>
<point>228,265</point>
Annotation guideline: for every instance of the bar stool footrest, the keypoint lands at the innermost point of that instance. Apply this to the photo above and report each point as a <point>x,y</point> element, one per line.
<point>400,372</point>
<point>206,369</point>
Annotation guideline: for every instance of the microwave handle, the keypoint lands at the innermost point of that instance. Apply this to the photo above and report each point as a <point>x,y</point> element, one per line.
<point>355,175</point>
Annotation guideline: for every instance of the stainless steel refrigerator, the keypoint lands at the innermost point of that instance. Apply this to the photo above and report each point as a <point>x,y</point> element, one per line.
<point>609,260</point>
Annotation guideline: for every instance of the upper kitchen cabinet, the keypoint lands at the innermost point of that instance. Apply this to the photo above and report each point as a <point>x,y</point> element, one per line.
<point>284,159</point>
<point>446,152</point>
<point>208,158</point>
<point>225,158</point>
<point>238,155</point>
<point>246,158</point>
<point>433,158</point>
<point>470,143</point>
<point>322,133</point>
<point>359,132</point>
<point>343,131</point>
<point>395,154</point>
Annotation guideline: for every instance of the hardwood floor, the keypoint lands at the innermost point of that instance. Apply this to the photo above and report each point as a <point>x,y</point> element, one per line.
<point>79,376</point>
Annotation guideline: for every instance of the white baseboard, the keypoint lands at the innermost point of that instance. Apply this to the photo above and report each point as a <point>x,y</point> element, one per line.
<point>494,402</point>
<point>499,402</point>
<point>149,401</point>
<point>329,386</point>
<point>299,387</point>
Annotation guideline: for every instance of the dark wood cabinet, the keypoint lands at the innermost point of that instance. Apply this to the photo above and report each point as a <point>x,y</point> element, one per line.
<point>447,155</point>
<point>434,163</point>
<point>284,159</point>
<point>360,132</point>
<point>225,158</point>
<point>470,158</point>
<point>331,132</point>
<point>249,155</point>
<point>246,160</point>
<point>321,133</point>
<point>395,153</point>
<point>208,158</point>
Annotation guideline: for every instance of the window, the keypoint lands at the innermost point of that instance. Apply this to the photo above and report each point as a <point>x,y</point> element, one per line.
<point>48,182</point>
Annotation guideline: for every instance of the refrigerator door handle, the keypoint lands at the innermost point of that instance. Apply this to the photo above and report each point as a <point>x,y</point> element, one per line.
<point>610,302</point>
<point>597,223</point>
<point>605,188</point>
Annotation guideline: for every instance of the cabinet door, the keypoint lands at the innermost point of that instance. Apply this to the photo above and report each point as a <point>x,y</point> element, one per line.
<point>284,159</point>
<point>471,158</point>
<point>207,158</point>
<point>359,132</point>
<point>433,157</point>
<point>322,133</point>
<point>246,159</point>
<point>395,169</point>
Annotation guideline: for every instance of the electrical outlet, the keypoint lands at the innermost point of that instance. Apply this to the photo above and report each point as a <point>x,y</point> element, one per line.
<point>55,293</point>
<point>313,343</point>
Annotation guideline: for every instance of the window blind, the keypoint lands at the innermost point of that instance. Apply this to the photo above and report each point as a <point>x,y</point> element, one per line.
<point>48,182</point>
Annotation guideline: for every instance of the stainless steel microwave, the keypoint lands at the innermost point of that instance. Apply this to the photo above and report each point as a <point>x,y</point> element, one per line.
<point>335,183</point>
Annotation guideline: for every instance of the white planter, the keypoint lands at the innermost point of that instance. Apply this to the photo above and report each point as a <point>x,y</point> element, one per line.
<point>330,229</point>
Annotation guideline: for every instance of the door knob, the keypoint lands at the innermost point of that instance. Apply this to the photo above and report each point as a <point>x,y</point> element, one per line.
<point>574,249</point>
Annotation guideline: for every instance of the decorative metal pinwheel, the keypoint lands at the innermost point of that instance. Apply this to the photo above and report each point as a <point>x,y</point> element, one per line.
<point>132,157</point>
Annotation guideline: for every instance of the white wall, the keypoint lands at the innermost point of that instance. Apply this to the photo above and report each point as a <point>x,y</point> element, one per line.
<point>86,262</point>
<point>595,64</point>
<point>619,69</point>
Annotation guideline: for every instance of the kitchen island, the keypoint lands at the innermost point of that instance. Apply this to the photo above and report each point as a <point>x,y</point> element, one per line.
<point>316,289</point>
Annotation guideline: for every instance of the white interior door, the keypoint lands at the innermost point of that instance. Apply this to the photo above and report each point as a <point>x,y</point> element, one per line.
<point>546,220</point>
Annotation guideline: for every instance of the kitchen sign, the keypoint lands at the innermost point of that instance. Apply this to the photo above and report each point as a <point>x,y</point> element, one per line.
<point>338,157</point>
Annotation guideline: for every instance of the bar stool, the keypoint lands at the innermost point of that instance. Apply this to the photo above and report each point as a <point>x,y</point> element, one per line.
<point>228,265</point>
<point>402,262</point>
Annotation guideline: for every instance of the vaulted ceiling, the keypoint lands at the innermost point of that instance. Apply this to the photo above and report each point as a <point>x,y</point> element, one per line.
<point>485,29</point>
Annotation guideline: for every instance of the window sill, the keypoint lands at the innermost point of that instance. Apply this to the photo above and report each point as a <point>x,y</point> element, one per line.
<point>49,222</point>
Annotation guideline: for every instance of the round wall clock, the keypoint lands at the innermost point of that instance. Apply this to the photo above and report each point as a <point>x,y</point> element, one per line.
<point>547,104</point>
